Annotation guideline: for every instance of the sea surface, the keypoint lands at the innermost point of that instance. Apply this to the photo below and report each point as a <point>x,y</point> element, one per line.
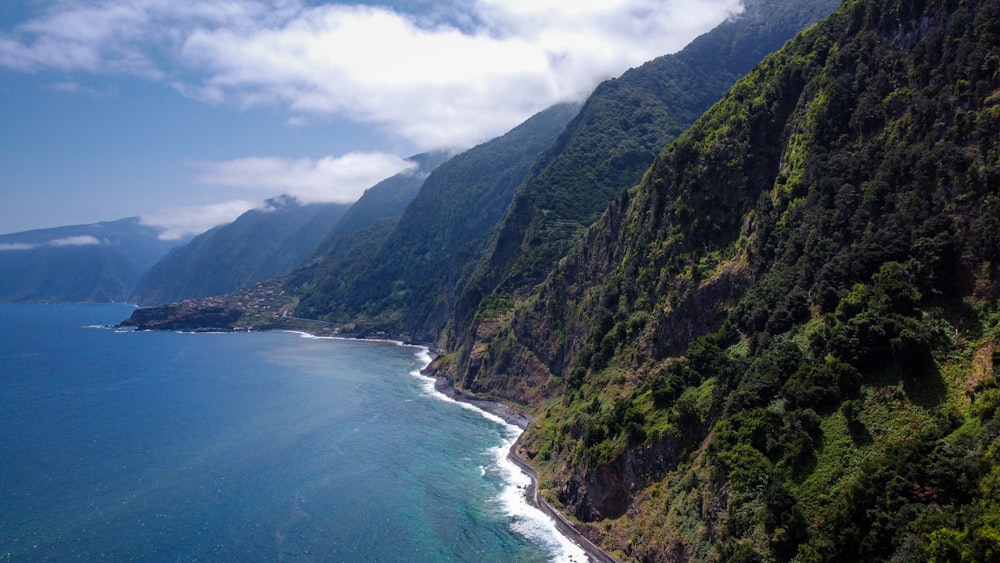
<point>162,446</point>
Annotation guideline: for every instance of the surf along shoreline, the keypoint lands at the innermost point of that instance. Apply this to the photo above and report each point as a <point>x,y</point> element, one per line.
<point>512,416</point>
<point>522,420</point>
<point>446,387</point>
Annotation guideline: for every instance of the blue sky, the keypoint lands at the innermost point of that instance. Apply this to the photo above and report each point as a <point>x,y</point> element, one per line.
<point>189,112</point>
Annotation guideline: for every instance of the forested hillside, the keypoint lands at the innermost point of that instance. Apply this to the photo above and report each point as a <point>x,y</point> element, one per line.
<point>607,148</point>
<point>422,276</point>
<point>783,343</point>
<point>362,230</point>
<point>407,282</point>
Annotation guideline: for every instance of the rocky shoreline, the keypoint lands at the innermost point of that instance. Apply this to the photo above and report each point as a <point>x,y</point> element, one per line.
<point>521,419</point>
<point>509,414</point>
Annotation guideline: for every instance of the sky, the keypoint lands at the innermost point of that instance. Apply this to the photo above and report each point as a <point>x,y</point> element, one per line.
<point>187,113</point>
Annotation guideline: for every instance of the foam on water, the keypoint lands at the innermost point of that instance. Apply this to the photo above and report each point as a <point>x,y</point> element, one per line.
<point>242,447</point>
<point>529,521</point>
<point>526,519</point>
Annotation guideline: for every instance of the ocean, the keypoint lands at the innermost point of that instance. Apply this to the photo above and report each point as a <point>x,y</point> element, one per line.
<point>162,446</point>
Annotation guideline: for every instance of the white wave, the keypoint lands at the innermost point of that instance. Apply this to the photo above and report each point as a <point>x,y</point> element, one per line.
<point>429,386</point>
<point>526,520</point>
<point>303,334</point>
<point>424,355</point>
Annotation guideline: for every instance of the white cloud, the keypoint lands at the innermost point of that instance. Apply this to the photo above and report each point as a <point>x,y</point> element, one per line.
<point>123,36</point>
<point>424,79</point>
<point>82,240</point>
<point>71,87</point>
<point>66,86</point>
<point>79,240</point>
<point>181,222</point>
<point>332,179</point>
<point>16,246</point>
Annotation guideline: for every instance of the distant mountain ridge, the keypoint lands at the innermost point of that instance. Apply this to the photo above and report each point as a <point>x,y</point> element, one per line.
<point>400,253</point>
<point>99,262</point>
<point>258,245</point>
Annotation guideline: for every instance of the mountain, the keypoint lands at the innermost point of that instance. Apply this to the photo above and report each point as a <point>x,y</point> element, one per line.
<point>451,250</point>
<point>388,198</point>
<point>364,227</point>
<point>610,144</point>
<point>258,245</point>
<point>99,262</point>
<point>783,343</point>
<point>409,281</point>
<point>625,123</point>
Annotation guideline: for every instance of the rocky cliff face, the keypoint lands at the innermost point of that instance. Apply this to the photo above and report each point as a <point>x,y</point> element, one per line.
<point>782,319</point>
<point>604,151</point>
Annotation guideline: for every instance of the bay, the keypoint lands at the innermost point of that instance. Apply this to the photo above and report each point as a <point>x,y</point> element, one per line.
<point>119,445</point>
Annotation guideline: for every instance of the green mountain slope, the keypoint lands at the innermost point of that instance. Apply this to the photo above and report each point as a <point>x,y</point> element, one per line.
<point>258,245</point>
<point>783,343</point>
<point>359,234</point>
<point>388,198</point>
<point>409,282</point>
<point>610,144</point>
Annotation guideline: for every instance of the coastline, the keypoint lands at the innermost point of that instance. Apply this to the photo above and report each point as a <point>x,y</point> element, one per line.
<point>506,413</point>
<point>510,415</point>
<point>521,419</point>
<point>515,417</point>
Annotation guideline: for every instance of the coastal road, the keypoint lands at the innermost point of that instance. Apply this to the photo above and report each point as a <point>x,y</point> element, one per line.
<point>595,553</point>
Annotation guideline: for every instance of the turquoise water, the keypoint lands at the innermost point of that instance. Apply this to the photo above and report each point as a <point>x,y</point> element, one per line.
<point>243,447</point>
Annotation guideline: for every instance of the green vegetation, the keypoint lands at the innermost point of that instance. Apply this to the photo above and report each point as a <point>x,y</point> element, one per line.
<point>624,124</point>
<point>408,280</point>
<point>604,151</point>
<point>783,343</point>
<point>358,236</point>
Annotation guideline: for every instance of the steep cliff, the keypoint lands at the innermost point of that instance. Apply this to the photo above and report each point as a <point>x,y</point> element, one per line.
<point>783,343</point>
<point>605,150</point>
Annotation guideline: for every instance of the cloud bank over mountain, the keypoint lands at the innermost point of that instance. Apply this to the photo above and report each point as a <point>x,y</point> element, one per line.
<point>435,78</point>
